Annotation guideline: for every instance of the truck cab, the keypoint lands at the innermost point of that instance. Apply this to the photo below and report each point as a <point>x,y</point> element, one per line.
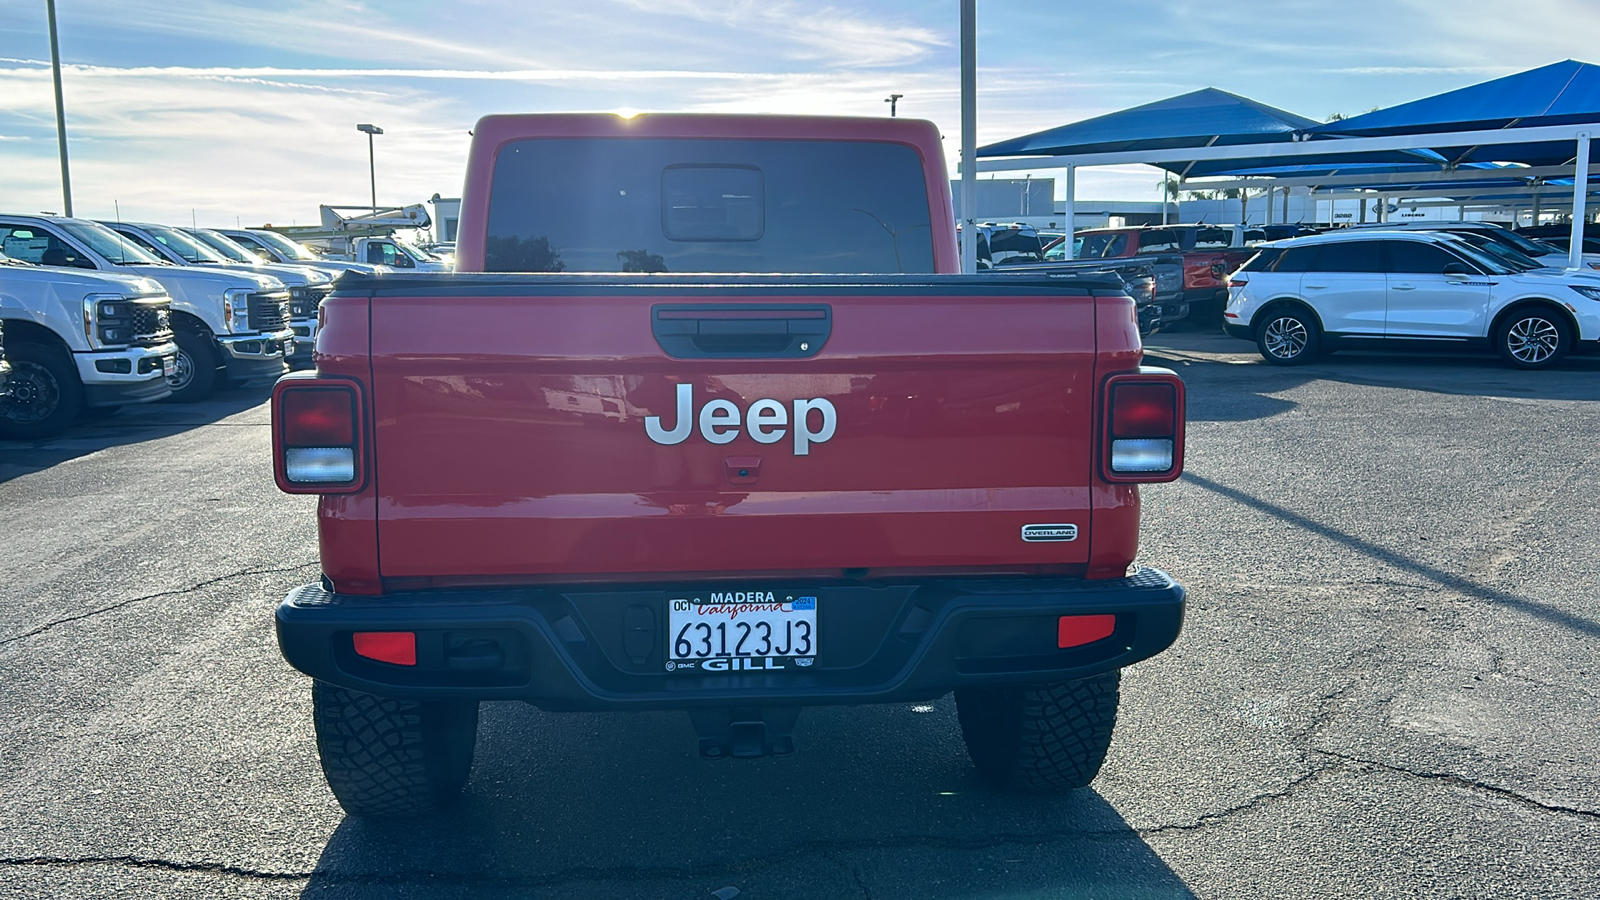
<point>307,284</point>
<point>228,323</point>
<point>78,340</point>
<point>395,253</point>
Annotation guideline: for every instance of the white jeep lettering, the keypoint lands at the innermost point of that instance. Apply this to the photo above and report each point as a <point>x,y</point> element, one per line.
<point>803,435</point>
<point>767,421</point>
<point>652,424</point>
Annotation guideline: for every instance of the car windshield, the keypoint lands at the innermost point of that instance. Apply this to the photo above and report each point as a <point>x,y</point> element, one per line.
<point>108,243</point>
<point>190,248</point>
<point>1515,261</point>
<point>225,245</point>
<point>1491,264</point>
<point>285,246</point>
<point>1511,239</point>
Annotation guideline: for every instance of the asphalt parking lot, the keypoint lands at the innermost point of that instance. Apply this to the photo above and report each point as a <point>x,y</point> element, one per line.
<point>1387,684</point>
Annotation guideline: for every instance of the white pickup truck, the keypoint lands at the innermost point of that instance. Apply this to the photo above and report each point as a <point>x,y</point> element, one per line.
<point>307,284</point>
<point>229,323</point>
<point>77,341</point>
<point>396,254</point>
<point>275,248</point>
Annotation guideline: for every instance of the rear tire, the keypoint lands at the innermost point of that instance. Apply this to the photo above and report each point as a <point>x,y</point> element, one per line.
<point>1044,738</point>
<point>1288,336</point>
<point>195,377</point>
<point>1534,337</point>
<point>392,758</point>
<point>44,395</point>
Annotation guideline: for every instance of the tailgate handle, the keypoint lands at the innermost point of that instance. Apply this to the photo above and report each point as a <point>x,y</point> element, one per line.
<point>741,330</point>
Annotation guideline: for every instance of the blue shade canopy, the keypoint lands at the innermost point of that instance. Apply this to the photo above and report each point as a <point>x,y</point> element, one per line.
<point>1206,117</point>
<point>1563,93</point>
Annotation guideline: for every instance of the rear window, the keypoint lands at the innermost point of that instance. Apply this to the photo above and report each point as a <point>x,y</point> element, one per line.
<point>1350,256</point>
<point>1263,260</point>
<point>1160,240</point>
<point>1213,239</point>
<point>669,205</point>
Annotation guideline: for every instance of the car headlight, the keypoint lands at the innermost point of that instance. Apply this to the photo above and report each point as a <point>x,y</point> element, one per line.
<point>107,320</point>
<point>1593,293</point>
<point>317,276</point>
<point>236,309</point>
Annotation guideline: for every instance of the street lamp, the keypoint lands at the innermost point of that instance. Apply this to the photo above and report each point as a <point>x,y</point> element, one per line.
<point>372,164</point>
<point>892,100</point>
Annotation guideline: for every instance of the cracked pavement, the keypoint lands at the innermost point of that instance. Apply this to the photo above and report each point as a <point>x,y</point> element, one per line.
<point>1386,685</point>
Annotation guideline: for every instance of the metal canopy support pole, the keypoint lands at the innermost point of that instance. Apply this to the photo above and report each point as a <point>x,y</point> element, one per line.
<point>61,113</point>
<point>1580,197</point>
<point>1070,210</point>
<point>1270,191</point>
<point>969,135</point>
<point>1536,209</point>
<point>1285,218</point>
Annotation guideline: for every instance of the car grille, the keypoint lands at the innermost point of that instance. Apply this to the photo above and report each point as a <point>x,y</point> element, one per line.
<point>269,312</point>
<point>303,301</point>
<point>152,322</point>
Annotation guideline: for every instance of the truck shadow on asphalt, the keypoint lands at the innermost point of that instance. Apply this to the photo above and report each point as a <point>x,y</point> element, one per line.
<point>1251,382</point>
<point>1449,580</point>
<point>877,801</point>
<point>128,425</point>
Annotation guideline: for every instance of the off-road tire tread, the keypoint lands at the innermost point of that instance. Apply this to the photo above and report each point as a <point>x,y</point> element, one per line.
<point>1040,737</point>
<point>392,758</point>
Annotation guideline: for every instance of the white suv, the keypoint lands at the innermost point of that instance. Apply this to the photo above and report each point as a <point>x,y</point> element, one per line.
<point>1372,288</point>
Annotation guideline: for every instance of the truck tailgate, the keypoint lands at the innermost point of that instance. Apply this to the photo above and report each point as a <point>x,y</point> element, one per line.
<point>511,439</point>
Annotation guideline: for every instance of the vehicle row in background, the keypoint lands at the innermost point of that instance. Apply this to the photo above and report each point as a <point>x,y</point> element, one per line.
<point>1439,287</point>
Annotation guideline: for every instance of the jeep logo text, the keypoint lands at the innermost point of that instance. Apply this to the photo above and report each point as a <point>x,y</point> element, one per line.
<point>767,421</point>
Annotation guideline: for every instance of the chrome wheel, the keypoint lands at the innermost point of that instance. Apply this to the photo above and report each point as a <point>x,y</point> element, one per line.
<point>182,372</point>
<point>1533,340</point>
<point>1285,337</point>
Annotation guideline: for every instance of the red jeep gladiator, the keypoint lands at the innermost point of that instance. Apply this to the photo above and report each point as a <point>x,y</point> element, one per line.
<point>1210,254</point>
<point>627,459</point>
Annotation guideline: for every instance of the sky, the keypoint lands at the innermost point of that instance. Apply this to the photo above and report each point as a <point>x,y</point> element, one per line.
<point>221,112</point>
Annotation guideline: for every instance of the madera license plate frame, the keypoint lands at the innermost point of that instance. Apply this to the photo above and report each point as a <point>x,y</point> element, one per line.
<point>716,632</point>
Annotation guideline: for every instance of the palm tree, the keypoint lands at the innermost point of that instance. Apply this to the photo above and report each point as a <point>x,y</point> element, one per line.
<point>1169,194</point>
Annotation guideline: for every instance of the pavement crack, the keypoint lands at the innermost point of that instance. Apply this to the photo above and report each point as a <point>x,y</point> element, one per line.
<point>146,862</point>
<point>1470,784</point>
<point>41,629</point>
<point>1211,818</point>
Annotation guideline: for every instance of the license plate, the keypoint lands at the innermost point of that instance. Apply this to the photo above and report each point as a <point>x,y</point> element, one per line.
<point>741,631</point>
<point>169,365</point>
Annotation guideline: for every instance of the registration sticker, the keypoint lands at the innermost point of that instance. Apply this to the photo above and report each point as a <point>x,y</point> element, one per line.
<point>741,631</point>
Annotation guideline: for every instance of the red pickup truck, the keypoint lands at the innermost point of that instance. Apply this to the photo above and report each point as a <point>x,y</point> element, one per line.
<point>572,476</point>
<point>1210,253</point>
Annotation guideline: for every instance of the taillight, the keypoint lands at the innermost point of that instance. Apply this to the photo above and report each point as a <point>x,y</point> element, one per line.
<point>316,435</point>
<point>1142,432</point>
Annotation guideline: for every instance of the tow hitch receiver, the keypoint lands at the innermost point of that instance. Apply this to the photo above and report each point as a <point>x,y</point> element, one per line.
<point>745,733</point>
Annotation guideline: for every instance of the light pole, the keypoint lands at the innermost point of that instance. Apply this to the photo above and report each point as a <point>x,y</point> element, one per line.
<point>61,114</point>
<point>372,162</point>
<point>892,100</point>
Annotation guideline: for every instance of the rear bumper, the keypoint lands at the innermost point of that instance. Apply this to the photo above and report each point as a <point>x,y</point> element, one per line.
<point>1242,332</point>
<point>606,649</point>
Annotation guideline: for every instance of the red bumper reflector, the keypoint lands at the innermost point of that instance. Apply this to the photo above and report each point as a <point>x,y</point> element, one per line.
<point>1075,631</point>
<point>398,647</point>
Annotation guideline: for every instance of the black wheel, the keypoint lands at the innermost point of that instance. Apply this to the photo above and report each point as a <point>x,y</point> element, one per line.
<point>1534,337</point>
<point>195,376</point>
<point>393,758</point>
<point>1040,737</point>
<point>1288,336</point>
<point>44,395</point>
